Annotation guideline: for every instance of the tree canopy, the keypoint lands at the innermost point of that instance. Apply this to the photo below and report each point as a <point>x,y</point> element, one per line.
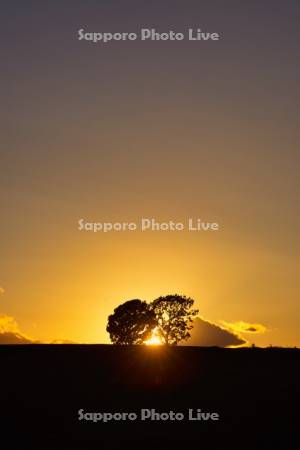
<point>174,317</point>
<point>134,321</point>
<point>131,323</point>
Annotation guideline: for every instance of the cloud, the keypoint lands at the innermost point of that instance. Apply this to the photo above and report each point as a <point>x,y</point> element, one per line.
<point>1,290</point>
<point>8,324</point>
<point>14,338</point>
<point>10,332</point>
<point>207,334</point>
<point>244,327</point>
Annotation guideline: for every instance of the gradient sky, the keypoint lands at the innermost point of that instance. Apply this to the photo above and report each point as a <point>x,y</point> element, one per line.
<point>169,130</point>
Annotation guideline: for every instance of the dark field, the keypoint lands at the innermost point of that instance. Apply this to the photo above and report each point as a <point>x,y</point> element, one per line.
<point>255,392</point>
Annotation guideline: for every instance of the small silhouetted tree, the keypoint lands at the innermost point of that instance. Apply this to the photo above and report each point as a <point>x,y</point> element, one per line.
<point>131,323</point>
<point>174,317</point>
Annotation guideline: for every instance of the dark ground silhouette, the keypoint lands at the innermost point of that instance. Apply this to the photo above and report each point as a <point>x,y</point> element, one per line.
<point>255,391</point>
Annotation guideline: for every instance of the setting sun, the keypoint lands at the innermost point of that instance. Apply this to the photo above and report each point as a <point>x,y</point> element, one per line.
<point>154,340</point>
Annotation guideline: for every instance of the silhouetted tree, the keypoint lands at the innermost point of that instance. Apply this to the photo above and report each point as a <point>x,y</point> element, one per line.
<point>131,323</point>
<point>174,317</point>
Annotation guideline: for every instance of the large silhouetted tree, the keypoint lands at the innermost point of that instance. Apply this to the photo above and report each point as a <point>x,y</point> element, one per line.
<point>134,321</point>
<point>174,317</point>
<point>131,323</point>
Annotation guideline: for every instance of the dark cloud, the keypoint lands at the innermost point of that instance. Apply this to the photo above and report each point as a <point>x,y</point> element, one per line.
<point>252,330</point>
<point>244,327</point>
<point>10,332</point>
<point>14,338</point>
<point>207,334</point>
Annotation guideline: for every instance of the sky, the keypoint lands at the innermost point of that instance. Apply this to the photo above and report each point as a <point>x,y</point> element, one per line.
<point>158,129</point>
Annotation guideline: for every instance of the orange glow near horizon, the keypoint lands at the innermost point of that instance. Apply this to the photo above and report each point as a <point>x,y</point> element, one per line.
<point>154,340</point>
<point>159,143</point>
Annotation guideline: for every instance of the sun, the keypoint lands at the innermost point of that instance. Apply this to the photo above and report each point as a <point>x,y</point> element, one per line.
<point>154,339</point>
